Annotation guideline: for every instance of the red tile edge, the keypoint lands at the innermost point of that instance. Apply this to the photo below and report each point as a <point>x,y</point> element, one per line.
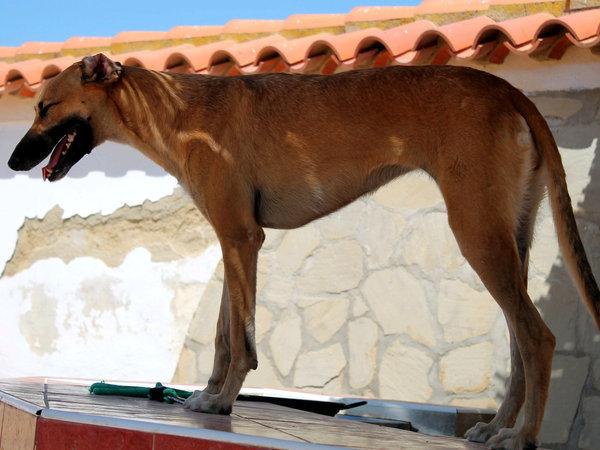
<point>62,435</point>
<point>168,442</point>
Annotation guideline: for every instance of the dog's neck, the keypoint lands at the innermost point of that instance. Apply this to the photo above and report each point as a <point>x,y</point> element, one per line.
<point>151,107</point>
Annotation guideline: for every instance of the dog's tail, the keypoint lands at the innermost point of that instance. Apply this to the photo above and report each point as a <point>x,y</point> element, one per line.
<point>560,202</point>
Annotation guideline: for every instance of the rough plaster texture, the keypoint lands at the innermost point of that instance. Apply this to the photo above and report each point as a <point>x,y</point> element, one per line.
<point>374,300</point>
<point>111,237</point>
<point>85,319</point>
<point>96,259</point>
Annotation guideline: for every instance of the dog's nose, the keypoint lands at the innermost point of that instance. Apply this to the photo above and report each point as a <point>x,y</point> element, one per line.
<point>13,162</point>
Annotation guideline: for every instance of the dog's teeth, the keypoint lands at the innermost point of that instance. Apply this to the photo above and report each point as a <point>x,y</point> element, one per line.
<point>64,153</point>
<point>70,137</point>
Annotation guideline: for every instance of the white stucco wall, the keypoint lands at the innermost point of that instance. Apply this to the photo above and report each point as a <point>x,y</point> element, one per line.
<point>84,318</point>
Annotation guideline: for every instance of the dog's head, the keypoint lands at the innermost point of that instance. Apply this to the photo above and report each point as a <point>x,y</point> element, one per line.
<point>72,116</point>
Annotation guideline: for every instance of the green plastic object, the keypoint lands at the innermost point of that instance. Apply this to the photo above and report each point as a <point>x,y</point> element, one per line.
<point>158,392</point>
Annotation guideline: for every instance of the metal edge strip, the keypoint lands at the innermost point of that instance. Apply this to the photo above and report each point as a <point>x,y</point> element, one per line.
<point>173,430</point>
<point>20,404</point>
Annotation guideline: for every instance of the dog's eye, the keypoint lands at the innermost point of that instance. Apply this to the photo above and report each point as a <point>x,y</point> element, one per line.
<point>43,109</point>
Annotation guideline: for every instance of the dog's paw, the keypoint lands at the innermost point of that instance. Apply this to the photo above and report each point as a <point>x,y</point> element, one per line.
<point>188,401</point>
<point>481,432</point>
<point>509,439</point>
<point>209,403</point>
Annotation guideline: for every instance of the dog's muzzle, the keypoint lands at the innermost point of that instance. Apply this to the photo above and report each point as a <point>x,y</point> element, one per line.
<point>30,151</point>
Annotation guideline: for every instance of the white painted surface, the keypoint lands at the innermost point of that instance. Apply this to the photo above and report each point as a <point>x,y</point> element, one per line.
<point>84,319</point>
<point>111,176</point>
<point>577,70</point>
<point>92,320</point>
<point>25,197</point>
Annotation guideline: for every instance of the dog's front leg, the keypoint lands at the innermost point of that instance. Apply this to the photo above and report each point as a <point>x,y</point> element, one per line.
<point>222,352</point>
<point>240,259</point>
<point>222,349</point>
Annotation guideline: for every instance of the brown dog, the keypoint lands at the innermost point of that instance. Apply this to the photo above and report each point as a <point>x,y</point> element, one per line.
<point>279,150</point>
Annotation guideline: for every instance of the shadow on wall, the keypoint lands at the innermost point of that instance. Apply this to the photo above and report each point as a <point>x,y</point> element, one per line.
<point>114,160</point>
<point>578,341</point>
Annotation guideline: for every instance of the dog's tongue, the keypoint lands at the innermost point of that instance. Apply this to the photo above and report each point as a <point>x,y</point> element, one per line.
<point>47,170</point>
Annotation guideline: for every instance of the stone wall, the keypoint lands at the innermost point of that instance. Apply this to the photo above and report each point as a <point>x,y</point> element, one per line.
<point>376,299</point>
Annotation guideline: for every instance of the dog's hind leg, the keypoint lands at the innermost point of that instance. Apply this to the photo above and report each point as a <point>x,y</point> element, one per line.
<point>487,239</point>
<point>515,387</point>
<point>510,407</point>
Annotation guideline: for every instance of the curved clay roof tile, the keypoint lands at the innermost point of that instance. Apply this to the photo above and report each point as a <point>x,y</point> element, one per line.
<point>78,42</point>
<point>320,47</point>
<point>461,35</point>
<point>585,26</point>
<point>347,45</point>
<point>35,71</point>
<point>187,32</point>
<point>30,71</point>
<point>138,36</point>
<point>406,38</point>
<point>7,52</point>
<point>239,26</point>
<point>293,51</point>
<point>245,53</point>
<point>309,21</point>
<point>517,32</point>
<point>451,6</point>
<point>468,39</point>
<point>3,72</point>
<point>200,56</point>
<point>132,61</point>
<point>38,48</point>
<point>150,59</point>
<point>380,13</point>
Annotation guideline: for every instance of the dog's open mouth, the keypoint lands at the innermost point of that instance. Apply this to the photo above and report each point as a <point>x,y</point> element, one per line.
<point>74,139</point>
<point>66,143</point>
<point>50,171</point>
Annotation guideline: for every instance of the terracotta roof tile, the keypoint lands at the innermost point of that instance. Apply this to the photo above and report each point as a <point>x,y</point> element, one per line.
<point>199,57</point>
<point>451,6</point>
<point>138,36</point>
<point>323,43</point>
<point>345,46</point>
<point>518,31</point>
<point>78,42</point>
<point>81,46</point>
<point>293,51</point>
<point>245,53</point>
<point>463,34</point>
<point>380,13</point>
<point>42,50</point>
<point>3,71</point>
<point>249,26</point>
<point>406,38</point>
<point>584,27</point>
<point>7,52</point>
<point>308,21</point>
<point>149,59</point>
<point>188,32</point>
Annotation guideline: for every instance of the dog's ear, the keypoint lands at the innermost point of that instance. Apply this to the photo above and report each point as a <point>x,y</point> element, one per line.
<point>100,69</point>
